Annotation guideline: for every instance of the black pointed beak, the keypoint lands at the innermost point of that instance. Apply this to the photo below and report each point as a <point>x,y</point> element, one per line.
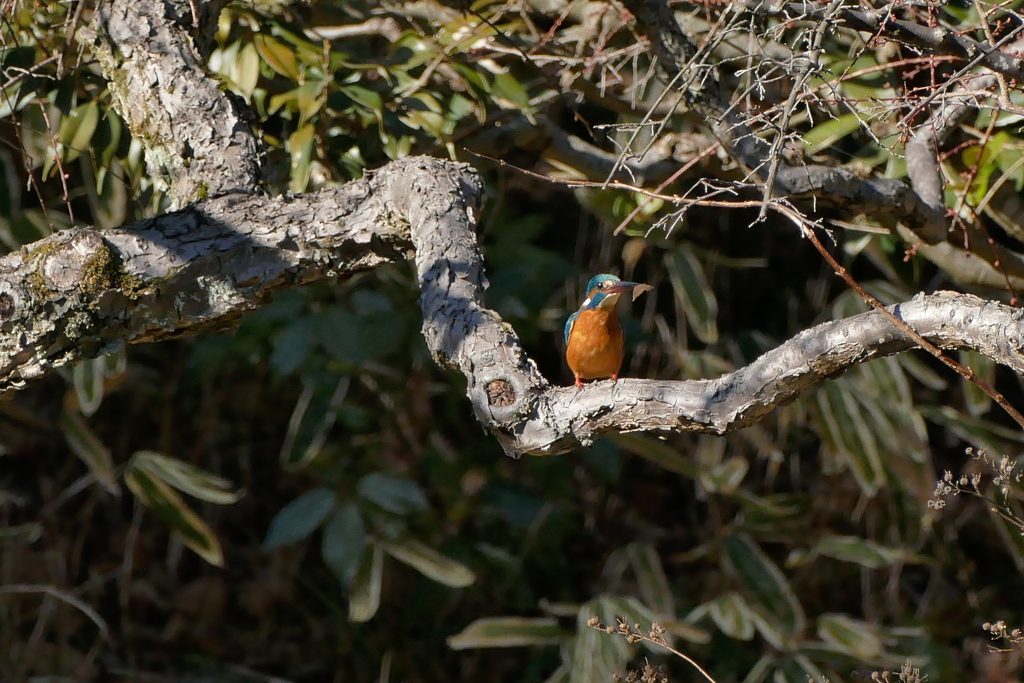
<point>620,286</point>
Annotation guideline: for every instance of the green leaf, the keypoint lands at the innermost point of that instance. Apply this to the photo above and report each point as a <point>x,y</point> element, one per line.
<point>857,638</point>
<point>725,477</point>
<point>798,669</point>
<point>292,345</point>
<point>353,338</point>
<point>826,134</point>
<point>771,630</point>
<point>765,583</point>
<point>87,378</point>
<point>365,97</point>
<point>506,632</point>
<point>733,616</point>
<point>859,551</point>
<point>279,56</point>
<point>16,98</point>
<point>343,541</point>
<point>693,292</point>
<point>759,672</point>
<point>651,579</point>
<point>300,146</point>
<point>509,93</point>
<point>187,478</point>
<point>90,450</point>
<point>394,494</point>
<point>158,496</point>
<point>312,418</point>
<point>108,198</point>
<point>977,401</point>
<point>429,562</point>
<point>245,70</point>
<point>77,128</point>
<point>299,518</point>
<point>309,99</point>
<point>657,451</point>
<point>365,597</point>
<point>846,434</point>
<point>598,656</point>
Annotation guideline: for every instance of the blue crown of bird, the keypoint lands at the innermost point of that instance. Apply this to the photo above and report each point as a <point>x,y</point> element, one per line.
<point>593,338</point>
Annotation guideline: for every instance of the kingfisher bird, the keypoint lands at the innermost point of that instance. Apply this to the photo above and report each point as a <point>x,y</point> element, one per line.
<point>593,338</point>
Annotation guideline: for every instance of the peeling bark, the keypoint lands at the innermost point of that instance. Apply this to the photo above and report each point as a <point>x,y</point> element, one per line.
<point>80,293</point>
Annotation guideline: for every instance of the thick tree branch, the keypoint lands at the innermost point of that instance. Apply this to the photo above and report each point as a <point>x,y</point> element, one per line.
<point>81,292</point>
<point>197,141</point>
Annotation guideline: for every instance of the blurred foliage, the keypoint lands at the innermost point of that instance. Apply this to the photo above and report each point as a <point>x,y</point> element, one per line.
<point>354,520</point>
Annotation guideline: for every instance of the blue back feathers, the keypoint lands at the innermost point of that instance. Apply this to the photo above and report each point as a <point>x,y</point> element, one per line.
<point>568,326</point>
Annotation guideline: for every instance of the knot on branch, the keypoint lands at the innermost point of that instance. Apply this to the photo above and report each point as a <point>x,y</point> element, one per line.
<point>500,393</point>
<point>82,261</point>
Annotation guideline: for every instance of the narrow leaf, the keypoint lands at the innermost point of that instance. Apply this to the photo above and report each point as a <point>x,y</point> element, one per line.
<point>87,378</point>
<point>394,494</point>
<point>77,128</point>
<point>187,478</point>
<point>365,597</point>
<point>299,518</point>
<point>29,532</point>
<point>430,563</point>
<point>245,70</point>
<point>597,656</point>
<point>977,401</point>
<point>860,551</point>
<point>300,146</point>
<point>507,632</point>
<point>733,616</point>
<point>855,637</point>
<point>279,56</point>
<point>156,495</point>
<point>765,583</point>
<point>343,542</point>
<point>826,134</point>
<point>657,451</point>
<point>312,418</point>
<point>693,293</point>
<point>650,577</point>
<point>90,450</point>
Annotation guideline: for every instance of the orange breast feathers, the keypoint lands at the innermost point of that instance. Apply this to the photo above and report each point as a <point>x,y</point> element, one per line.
<point>595,344</point>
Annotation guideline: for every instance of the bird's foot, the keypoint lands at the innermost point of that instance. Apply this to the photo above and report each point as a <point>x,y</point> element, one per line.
<point>579,382</point>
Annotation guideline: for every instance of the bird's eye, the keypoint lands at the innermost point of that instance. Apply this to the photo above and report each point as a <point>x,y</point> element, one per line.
<point>600,285</point>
